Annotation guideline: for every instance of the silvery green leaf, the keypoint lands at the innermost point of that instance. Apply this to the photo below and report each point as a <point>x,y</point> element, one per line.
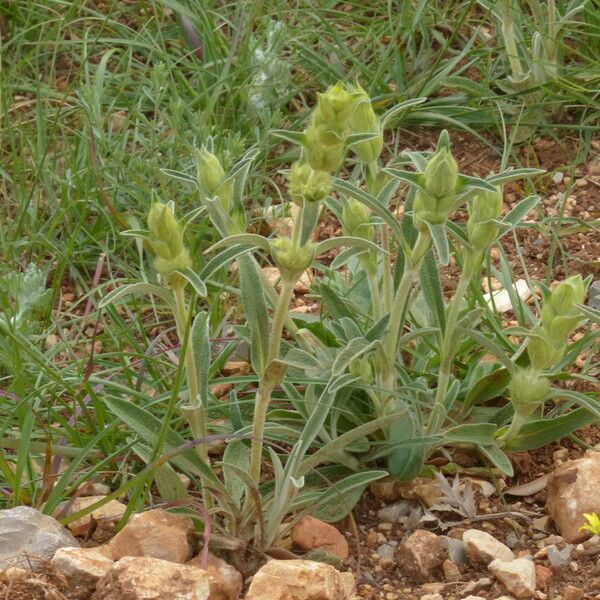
<point>584,400</point>
<point>192,215</point>
<point>398,108</point>
<point>440,241</point>
<point>468,183</point>
<point>515,216</point>
<point>357,138</point>
<point>411,177</point>
<point>298,482</point>
<point>384,197</point>
<point>354,349</point>
<point>249,239</point>
<point>194,280</point>
<point>180,175</point>
<point>336,242</point>
<point>511,174</point>
<point>370,201</point>
<point>237,454</point>
<point>137,288</point>
<point>137,233</point>
<point>222,259</point>
<point>346,255</point>
<point>255,307</point>
<point>200,340</point>
<point>291,136</point>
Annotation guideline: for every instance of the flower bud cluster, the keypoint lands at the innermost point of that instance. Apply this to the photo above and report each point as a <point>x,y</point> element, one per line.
<point>306,184</point>
<point>355,220</point>
<point>485,208</point>
<point>341,111</point>
<point>559,318</point>
<point>166,240</point>
<point>364,120</point>
<point>528,389</point>
<point>436,198</point>
<point>290,258</point>
<point>212,178</point>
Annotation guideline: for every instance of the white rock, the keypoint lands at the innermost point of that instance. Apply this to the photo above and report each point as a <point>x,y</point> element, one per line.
<point>145,578</point>
<point>82,567</point>
<point>297,580</point>
<point>518,575</point>
<point>110,512</point>
<point>156,533</point>
<point>484,548</point>
<point>502,297</point>
<point>27,535</point>
<point>224,580</point>
<point>572,491</point>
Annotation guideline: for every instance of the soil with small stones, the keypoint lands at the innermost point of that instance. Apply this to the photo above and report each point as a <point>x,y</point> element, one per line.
<point>382,580</point>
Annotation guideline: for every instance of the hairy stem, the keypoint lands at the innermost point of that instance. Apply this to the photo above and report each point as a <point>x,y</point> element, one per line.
<point>194,412</point>
<point>448,350</point>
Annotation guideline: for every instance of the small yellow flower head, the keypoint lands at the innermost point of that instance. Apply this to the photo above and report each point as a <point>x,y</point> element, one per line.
<point>441,174</point>
<point>166,240</point>
<point>212,179</point>
<point>528,389</point>
<point>307,184</point>
<point>364,120</point>
<point>355,220</point>
<point>485,207</point>
<point>292,259</point>
<point>334,109</point>
<point>560,314</point>
<point>592,525</point>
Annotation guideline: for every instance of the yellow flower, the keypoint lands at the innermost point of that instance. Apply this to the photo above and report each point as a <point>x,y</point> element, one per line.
<point>592,525</point>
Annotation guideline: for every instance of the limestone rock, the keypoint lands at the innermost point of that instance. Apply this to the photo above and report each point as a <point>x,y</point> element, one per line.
<point>451,571</point>
<point>93,488</point>
<point>484,548</point>
<point>421,555</point>
<point>543,576</point>
<point>310,533</point>
<point>297,580</point>
<point>224,580</point>
<point>518,576</point>
<point>421,489</point>
<point>157,534</point>
<point>27,535</point>
<point>572,592</point>
<point>146,578</point>
<point>82,568</point>
<point>573,490</point>
<point>112,511</point>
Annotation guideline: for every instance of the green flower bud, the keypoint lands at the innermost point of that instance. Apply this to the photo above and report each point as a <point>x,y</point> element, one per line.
<point>292,259</point>
<point>441,174</point>
<point>560,314</point>
<point>364,120</point>
<point>360,367</point>
<point>485,207</point>
<point>212,179</point>
<point>355,220</point>
<point>334,110</point>
<point>166,240</point>
<point>544,352</point>
<point>323,155</point>
<point>428,209</point>
<point>528,389</point>
<point>307,184</point>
